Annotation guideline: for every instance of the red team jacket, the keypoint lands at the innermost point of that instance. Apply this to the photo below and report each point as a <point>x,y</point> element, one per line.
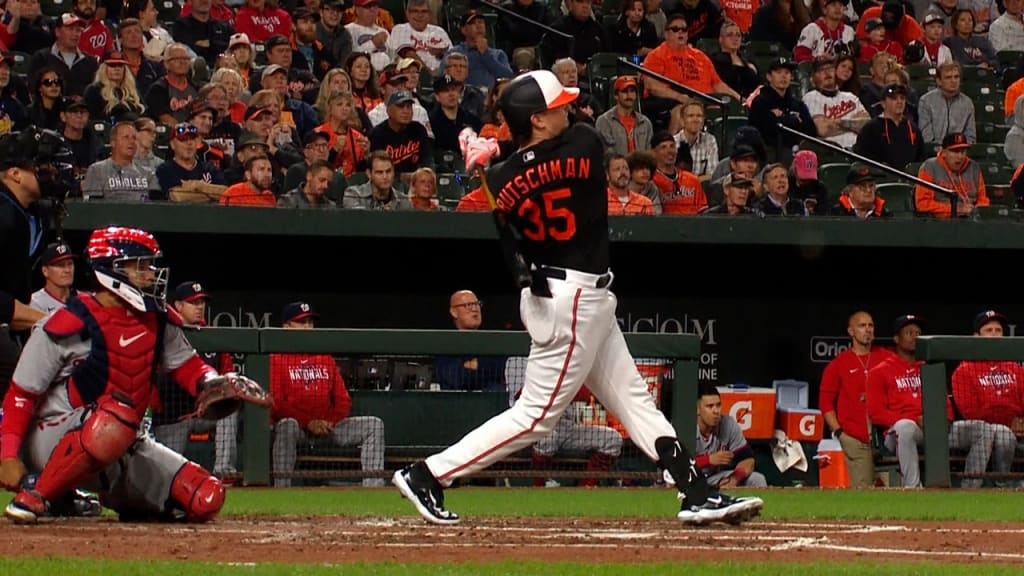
<point>844,390</point>
<point>989,391</point>
<point>894,392</point>
<point>308,387</point>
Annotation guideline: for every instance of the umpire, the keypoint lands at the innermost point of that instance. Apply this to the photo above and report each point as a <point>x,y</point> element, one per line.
<point>27,167</point>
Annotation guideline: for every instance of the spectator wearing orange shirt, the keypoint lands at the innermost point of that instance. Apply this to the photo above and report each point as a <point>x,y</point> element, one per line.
<point>953,170</point>
<point>255,190</point>
<point>899,27</point>
<point>622,200</point>
<point>676,60</point>
<point>681,191</point>
<point>475,201</point>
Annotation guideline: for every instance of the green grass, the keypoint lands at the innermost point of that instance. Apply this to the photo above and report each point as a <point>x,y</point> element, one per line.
<point>780,504</point>
<point>81,567</point>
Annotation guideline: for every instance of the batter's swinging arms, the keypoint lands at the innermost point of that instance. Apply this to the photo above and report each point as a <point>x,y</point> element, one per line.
<point>552,192</point>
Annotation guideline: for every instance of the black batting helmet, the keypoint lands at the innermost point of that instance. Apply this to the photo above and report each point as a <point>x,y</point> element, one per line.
<point>532,93</point>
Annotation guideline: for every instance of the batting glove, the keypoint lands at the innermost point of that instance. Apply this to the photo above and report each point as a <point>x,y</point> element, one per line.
<point>477,151</point>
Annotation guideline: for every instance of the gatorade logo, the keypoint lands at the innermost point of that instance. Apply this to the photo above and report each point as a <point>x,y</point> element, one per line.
<point>742,412</point>
<point>806,425</point>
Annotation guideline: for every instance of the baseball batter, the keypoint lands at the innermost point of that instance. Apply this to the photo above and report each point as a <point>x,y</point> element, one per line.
<point>552,193</point>
<point>83,384</point>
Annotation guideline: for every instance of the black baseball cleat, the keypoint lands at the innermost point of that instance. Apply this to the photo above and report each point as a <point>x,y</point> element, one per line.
<point>418,485</point>
<point>720,508</point>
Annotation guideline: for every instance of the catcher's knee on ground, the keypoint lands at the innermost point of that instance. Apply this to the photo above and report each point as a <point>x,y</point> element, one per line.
<point>198,493</point>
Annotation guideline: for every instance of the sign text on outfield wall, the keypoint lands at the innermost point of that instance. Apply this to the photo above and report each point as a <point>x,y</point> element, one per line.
<point>825,348</point>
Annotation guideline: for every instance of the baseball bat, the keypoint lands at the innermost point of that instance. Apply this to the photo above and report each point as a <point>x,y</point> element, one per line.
<point>509,242</point>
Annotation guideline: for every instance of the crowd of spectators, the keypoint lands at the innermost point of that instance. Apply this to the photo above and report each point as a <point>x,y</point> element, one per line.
<point>358,103</point>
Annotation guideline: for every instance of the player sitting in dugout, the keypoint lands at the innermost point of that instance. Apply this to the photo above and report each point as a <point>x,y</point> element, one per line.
<point>723,454</point>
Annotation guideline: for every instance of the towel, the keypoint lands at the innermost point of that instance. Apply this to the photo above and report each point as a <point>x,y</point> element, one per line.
<point>787,453</point>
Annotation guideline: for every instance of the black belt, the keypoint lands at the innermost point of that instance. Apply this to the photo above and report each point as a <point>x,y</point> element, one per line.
<point>559,274</point>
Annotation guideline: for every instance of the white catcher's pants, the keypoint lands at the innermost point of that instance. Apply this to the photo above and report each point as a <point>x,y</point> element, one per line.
<point>575,339</point>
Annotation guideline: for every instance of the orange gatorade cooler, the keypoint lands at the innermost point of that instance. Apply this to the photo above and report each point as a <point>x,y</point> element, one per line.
<point>800,425</point>
<point>832,471</point>
<point>752,408</point>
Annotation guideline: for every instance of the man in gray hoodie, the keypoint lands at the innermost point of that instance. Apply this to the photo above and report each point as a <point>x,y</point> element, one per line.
<point>945,110</point>
<point>1014,147</point>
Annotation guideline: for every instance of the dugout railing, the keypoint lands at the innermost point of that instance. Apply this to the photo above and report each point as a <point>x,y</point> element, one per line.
<point>424,411</point>
<point>942,356</point>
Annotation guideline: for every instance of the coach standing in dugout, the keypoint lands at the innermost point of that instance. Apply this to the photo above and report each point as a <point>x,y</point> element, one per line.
<point>843,397</point>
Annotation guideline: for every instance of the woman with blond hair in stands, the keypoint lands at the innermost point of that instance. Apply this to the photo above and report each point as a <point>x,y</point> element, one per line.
<point>113,92</point>
<point>231,80</point>
<point>349,146</point>
<point>423,189</point>
<point>336,80</point>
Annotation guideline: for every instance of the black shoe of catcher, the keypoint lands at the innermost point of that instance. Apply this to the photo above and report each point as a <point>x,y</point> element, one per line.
<point>419,486</point>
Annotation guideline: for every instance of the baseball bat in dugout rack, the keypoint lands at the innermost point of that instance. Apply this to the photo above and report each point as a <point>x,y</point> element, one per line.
<point>954,198</point>
<point>722,103</point>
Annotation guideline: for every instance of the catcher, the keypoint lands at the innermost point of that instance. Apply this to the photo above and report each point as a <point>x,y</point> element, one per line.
<point>82,386</point>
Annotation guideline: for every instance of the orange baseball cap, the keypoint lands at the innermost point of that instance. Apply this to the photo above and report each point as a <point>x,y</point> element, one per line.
<point>623,82</point>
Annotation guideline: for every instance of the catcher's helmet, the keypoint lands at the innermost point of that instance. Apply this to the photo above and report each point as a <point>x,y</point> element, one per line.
<point>529,94</point>
<point>124,261</point>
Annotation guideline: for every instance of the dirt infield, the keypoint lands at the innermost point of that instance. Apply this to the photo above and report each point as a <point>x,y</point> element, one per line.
<point>344,539</point>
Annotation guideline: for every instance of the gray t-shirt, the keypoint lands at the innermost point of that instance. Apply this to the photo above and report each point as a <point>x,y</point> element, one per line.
<point>107,181</point>
<point>727,436</point>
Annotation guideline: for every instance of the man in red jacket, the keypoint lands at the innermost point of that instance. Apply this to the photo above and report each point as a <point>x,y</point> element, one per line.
<point>843,397</point>
<point>894,400</point>
<point>991,393</point>
<point>311,401</point>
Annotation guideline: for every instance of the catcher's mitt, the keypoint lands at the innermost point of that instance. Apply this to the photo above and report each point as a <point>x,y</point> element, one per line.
<point>222,396</point>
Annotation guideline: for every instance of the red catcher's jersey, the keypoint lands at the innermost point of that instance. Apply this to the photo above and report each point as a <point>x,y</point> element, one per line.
<point>555,194</point>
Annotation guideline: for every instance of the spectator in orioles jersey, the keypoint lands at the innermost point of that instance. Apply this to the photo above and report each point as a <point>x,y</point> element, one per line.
<point>992,392</point>
<point>894,400</point>
<point>311,401</point>
<point>681,191</point>
<point>953,170</point>
<point>622,200</point>
<point>843,397</point>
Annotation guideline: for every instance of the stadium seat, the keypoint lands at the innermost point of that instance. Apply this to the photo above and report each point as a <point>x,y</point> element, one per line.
<point>449,191</point>
<point>167,9</point>
<point>833,176</point>
<point>449,161</point>
<point>1009,58</point>
<point>359,178</point>
<point>987,152</point>
<point>898,196</point>
<point>995,173</point>
<point>21,63</point>
<point>1000,195</point>
<point>54,8</point>
<point>989,112</point>
<point>994,133</point>
<point>604,65</point>
<point>709,46</point>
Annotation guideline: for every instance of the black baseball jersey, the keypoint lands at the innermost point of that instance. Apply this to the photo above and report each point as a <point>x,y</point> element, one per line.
<point>556,196</point>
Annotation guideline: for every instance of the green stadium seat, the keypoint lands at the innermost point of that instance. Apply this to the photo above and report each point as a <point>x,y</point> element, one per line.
<point>1009,58</point>
<point>996,173</point>
<point>21,63</point>
<point>709,46</point>
<point>359,178</point>
<point>449,161</point>
<point>396,8</point>
<point>920,71</point>
<point>1000,195</point>
<point>604,65</point>
<point>54,8</point>
<point>994,133</point>
<point>758,48</point>
<point>988,112</point>
<point>833,176</point>
<point>898,196</point>
<point>449,191</point>
<point>987,152</point>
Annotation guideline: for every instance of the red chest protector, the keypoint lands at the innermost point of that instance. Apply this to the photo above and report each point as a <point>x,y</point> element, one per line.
<point>126,347</point>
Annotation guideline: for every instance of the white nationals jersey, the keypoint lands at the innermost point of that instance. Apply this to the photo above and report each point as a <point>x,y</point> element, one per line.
<point>819,40</point>
<point>43,300</point>
<point>841,105</point>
